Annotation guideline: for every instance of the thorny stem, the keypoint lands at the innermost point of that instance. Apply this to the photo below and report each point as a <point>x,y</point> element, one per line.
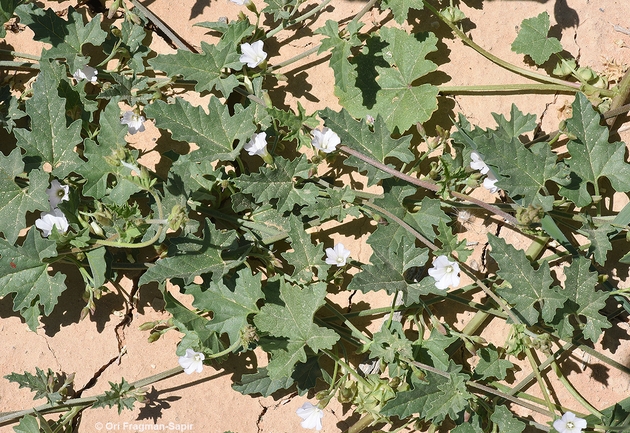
<point>484,388</point>
<point>428,185</point>
<point>7,417</point>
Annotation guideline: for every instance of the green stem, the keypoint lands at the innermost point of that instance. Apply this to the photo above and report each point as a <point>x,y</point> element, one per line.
<point>576,395</point>
<point>20,55</point>
<point>361,425</point>
<point>504,88</point>
<point>8,64</point>
<point>347,368</point>
<point>299,19</point>
<point>621,97</point>
<point>360,336</point>
<point>539,379</point>
<point>568,86</point>
<point>7,417</point>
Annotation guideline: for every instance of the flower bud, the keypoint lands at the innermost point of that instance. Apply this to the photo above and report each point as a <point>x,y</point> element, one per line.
<point>147,326</point>
<point>153,337</point>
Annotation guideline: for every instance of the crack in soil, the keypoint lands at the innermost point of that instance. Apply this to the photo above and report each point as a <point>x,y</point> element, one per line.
<point>260,417</point>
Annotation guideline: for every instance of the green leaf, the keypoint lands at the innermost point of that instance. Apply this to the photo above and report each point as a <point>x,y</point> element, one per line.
<point>98,167</point>
<point>15,202</point>
<point>261,383</point>
<point>400,8</point>
<point>98,265</point>
<point>338,205</point>
<point>40,383</point>
<point>583,301</point>
<point>49,139</point>
<point>400,102</point>
<point>592,156</point>
<point>231,301</point>
<point>521,171</point>
<point>506,421</point>
<point>533,40</point>
<point>341,50</point>
<point>388,269</point>
<point>305,256</point>
<point>600,239</point>
<point>194,327</point>
<point>214,132</point>
<point>451,243</point>
<point>432,350</point>
<point>377,144</point>
<point>451,401</point>
<point>281,9</point>
<point>121,395</point>
<point>7,7</point>
<point>207,68</point>
<point>28,424</point>
<point>490,365</point>
<point>434,398</point>
<point>23,273</point>
<point>294,321</point>
<point>191,256</point>
<point>390,342</point>
<point>527,288</point>
<point>278,184</point>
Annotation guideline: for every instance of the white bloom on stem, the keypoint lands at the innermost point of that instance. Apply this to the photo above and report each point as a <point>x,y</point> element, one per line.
<point>57,193</point>
<point>253,54</point>
<point>192,362</point>
<point>337,256</point>
<point>445,273</point>
<point>569,423</point>
<point>86,73</point>
<point>48,220</point>
<point>134,121</point>
<point>242,2</point>
<point>311,416</point>
<point>476,163</point>
<point>257,145</point>
<point>489,183</point>
<point>325,140</point>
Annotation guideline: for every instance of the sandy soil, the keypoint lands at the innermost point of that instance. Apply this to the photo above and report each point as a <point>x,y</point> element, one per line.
<point>206,403</point>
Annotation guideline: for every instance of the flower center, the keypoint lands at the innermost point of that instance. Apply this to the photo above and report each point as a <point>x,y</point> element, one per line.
<point>60,193</point>
<point>197,358</point>
<point>570,425</point>
<point>339,260</point>
<point>449,269</point>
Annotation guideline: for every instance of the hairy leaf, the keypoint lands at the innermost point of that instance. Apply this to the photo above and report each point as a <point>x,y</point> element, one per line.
<point>377,144</point>
<point>261,383</point>
<point>279,184</point>
<point>400,8</point>
<point>506,421</point>
<point>231,301</point>
<point>528,288</point>
<point>191,256</point>
<point>305,256</point>
<point>49,139</point>
<point>592,156</point>
<point>23,273</point>
<point>400,102</point>
<point>490,365</point>
<point>7,7</point>
<point>214,132</point>
<point>15,201</point>
<point>294,321</point>
<point>533,40</point>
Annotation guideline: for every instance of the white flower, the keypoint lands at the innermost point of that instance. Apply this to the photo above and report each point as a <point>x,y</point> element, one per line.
<point>325,140</point>
<point>86,73</point>
<point>337,256</point>
<point>57,193</point>
<point>257,145</point>
<point>489,183</point>
<point>134,121</point>
<point>192,362</point>
<point>48,220</point>
<point>253,54</point>
<point>476,163</point>
<point>445,272</point>
<point>242,2</point>
<point>569,423</point>
<point>311,416</point>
